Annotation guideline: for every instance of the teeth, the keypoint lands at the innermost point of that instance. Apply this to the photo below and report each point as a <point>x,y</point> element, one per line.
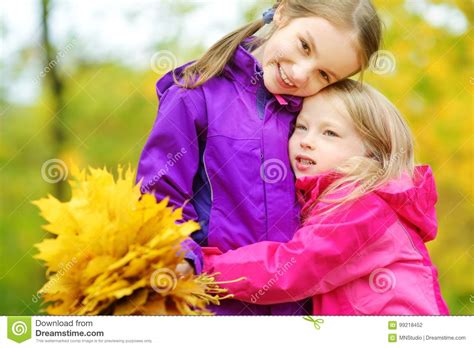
<point>306,162</point>
<point>284,77</point>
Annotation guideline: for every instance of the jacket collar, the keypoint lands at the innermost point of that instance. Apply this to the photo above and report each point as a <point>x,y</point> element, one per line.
<point>412,198</point>
<point>247,71</point>
<point>309,188</point>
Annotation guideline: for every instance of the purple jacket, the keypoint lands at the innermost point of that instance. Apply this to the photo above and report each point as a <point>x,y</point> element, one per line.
<point>221,150</point>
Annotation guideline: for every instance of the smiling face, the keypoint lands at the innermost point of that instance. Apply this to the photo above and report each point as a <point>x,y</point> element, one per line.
<point>324,136</point>
<point>304,55</point>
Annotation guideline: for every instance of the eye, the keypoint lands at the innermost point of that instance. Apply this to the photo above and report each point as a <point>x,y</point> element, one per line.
<point>330,133</point>
<point>300,126</point>
<point>325,76</point>
<point>305,46</point>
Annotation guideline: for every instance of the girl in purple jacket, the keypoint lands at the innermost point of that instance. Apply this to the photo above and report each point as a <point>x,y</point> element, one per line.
<point>219,142</point>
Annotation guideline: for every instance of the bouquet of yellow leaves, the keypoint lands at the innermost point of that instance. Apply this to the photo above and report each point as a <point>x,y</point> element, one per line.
<point>116,252</point>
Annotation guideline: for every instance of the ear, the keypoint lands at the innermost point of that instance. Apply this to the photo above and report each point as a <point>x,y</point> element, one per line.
<point>278,17</point>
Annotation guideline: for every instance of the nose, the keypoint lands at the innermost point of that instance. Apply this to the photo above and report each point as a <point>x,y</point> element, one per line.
<point>302,71</point>
<point>307,144</point>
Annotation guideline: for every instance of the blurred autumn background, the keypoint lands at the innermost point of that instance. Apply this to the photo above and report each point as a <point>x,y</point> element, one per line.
<point>78,83</point>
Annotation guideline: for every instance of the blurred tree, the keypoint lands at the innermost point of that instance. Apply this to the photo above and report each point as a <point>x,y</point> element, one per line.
<point>57,86</point>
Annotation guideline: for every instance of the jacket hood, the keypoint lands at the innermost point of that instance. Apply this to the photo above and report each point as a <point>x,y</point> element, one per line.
<point>167,81</point>
<point>413,199</point>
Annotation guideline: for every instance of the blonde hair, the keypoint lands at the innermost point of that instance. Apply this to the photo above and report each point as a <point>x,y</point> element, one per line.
<point>387,139</point>
<point>357,15</point>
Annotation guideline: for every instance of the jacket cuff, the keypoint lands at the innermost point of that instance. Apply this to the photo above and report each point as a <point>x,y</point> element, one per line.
<point>193,254</point>
<point>209,253</point>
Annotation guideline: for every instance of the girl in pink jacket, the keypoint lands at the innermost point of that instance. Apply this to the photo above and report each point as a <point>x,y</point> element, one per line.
<point>367,212</point>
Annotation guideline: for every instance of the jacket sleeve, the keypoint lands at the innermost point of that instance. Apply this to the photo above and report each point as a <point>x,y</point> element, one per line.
<point>322,256</point>
<point>170,158</point>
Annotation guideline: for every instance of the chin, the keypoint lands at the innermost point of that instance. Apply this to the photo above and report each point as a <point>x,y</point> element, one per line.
<point>297,174</point>
<point>272,87</point>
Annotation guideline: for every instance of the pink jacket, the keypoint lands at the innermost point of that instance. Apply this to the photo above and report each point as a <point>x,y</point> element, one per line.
<point>367,259</point>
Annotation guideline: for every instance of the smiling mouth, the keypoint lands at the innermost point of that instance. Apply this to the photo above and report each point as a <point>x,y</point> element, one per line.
<point>284,77</point>
<point>305,161</point>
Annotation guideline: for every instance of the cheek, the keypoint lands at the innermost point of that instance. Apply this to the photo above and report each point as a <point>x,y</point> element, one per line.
<point>334,151</point>
<point>356,147</point>
<point>345,151</point>
<point>279,49</point>
<point>292,145</point>
<point>313,87</point>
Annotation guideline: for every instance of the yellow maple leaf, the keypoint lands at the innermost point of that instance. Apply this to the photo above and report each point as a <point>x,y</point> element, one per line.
<point>115,251</point>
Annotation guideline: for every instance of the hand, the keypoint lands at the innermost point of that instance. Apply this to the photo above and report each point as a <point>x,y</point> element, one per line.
<point>184,268</point>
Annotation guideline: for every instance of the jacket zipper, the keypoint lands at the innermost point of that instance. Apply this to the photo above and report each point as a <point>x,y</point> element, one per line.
<point>262,170</point>
<point>207,175</point>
